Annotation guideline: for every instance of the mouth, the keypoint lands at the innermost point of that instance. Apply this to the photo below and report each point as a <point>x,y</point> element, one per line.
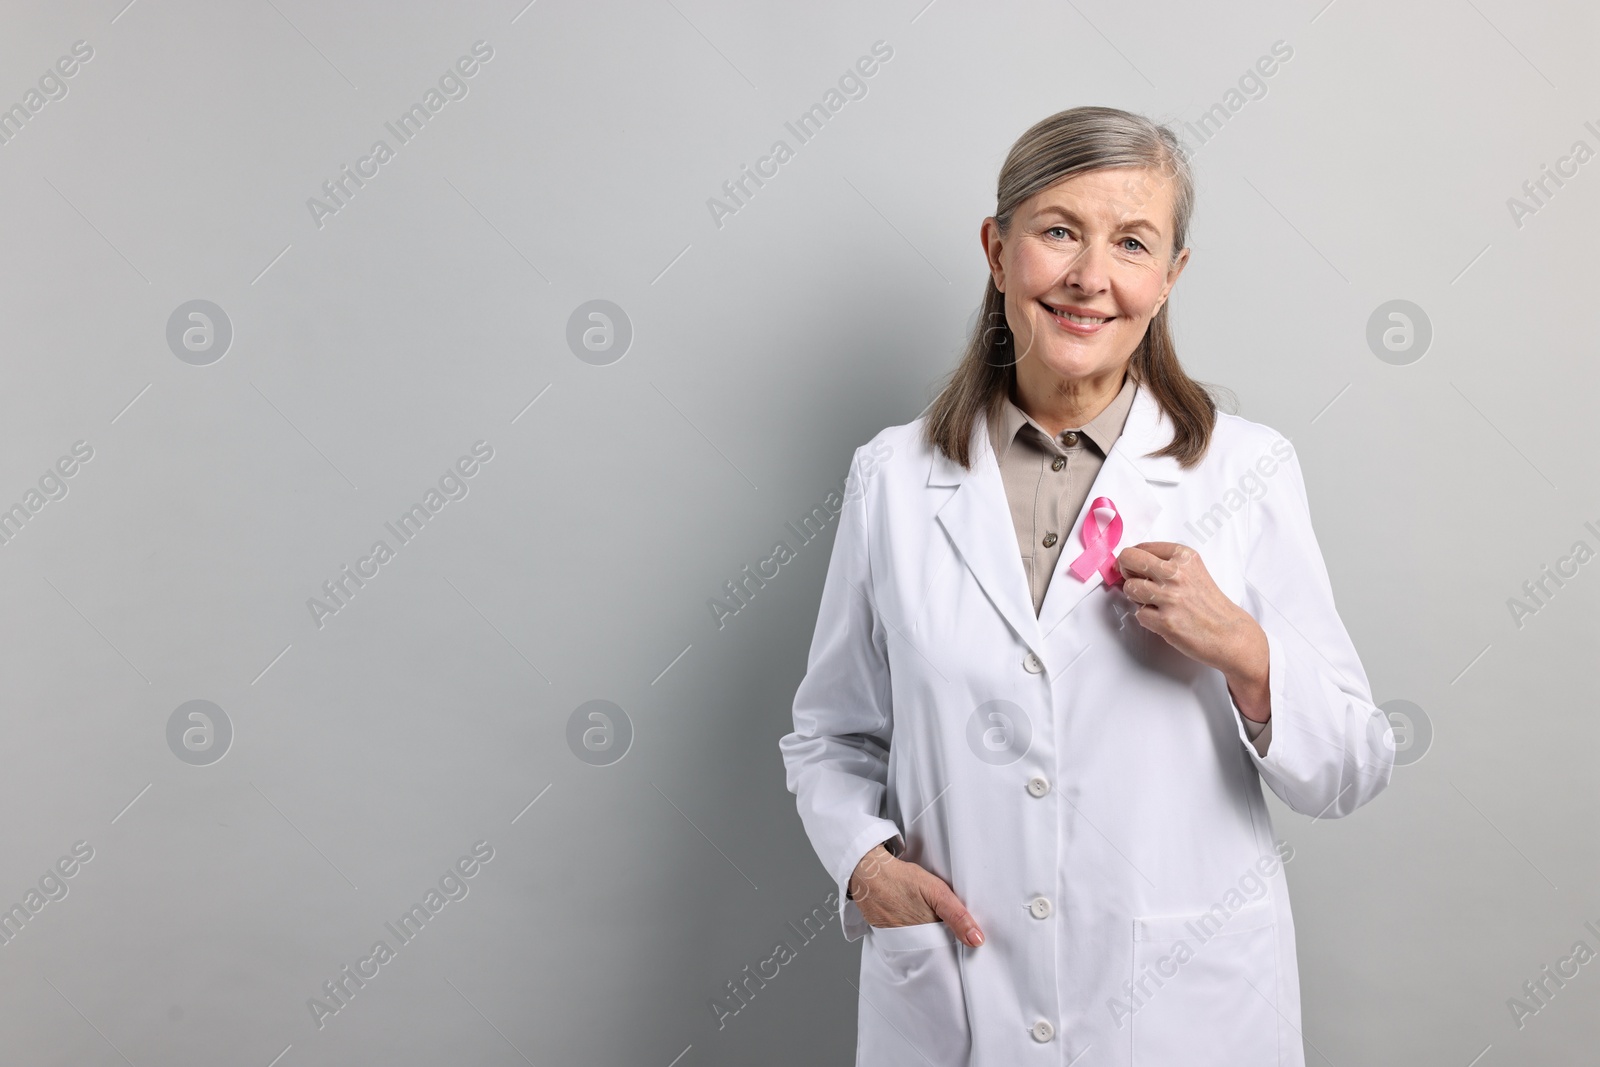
<point>1074,322</point>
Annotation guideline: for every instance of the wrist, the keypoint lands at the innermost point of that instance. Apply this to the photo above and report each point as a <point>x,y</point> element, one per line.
<point>1248,675</point>
<point>1252,695</point>
<point>866,868</point>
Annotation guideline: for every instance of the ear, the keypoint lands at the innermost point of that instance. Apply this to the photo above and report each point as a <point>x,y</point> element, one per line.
<point>1178,263</point>
<point>989,237</point>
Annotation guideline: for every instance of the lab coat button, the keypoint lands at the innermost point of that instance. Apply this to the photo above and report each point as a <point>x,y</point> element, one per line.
<point>1042,1031</point>
<point>1040,907</point>
<point>1038,786</point>
<point>1032,663</point>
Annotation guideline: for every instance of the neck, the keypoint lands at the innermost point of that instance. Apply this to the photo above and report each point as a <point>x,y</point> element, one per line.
<point>1060,404</point>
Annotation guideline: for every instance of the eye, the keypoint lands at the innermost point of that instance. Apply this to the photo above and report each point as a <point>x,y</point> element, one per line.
<point>1054,229</point>
<point>1136,241</point>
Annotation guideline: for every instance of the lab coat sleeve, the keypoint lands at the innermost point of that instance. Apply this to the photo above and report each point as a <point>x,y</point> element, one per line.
<point>1330,749</point>
<point>837,758</point>
<point>1259,734</point>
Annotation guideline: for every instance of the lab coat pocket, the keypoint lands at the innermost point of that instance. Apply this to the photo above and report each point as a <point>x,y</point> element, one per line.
<point>1205,988</point>
<point>911,981</point>
<point>894,940</point>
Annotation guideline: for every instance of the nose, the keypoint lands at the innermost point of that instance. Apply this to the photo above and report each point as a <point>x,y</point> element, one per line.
<point>1088,272</point>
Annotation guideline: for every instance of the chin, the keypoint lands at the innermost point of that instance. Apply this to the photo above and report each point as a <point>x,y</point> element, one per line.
<point>1072,366</point>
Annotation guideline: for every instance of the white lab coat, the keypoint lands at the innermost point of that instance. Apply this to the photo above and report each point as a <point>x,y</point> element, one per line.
<point>1089,792</point>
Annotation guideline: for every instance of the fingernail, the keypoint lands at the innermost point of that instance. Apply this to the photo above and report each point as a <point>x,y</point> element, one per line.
<point>976,937</point>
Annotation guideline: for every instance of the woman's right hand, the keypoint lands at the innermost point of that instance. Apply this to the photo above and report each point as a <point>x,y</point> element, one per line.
<point>895,892</point>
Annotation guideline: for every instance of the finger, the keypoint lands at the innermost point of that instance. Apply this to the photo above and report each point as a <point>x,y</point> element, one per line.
<point>1142,591</point>
<point>1134,561</point>
<point>1179,555</point>
<point>1164,549</point>
<point>948,907</point>
<point>1150,617</point>
<point>1142,564</point>
<point>1164,559</point>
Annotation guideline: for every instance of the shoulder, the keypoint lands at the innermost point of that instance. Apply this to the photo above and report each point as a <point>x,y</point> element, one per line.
<point>1237,442</point>
<point>1250,465</point>
<point>906,441</point>
<point>896,448</point>
<point>895,457</point>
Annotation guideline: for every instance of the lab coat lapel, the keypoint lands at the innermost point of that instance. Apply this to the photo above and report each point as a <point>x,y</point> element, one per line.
<point>977,518</point>
<point>1125,478</point>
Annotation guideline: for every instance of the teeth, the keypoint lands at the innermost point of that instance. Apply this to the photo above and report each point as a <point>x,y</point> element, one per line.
<point>1081,320</point>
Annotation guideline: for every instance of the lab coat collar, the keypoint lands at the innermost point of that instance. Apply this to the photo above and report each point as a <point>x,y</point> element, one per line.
<point>977,518</point>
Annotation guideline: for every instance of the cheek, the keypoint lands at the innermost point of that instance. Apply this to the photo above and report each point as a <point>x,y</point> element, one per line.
<point>1036,271</point>
<point>1137,293</point>
<point>1019,315</point>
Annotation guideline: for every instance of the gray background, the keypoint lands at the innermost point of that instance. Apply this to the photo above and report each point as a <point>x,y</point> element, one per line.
<point>432,711</point>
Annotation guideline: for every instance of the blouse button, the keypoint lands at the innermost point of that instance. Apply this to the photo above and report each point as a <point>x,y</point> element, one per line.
<point>1057,463</point>
<point>1049,539</point>
<point>1069,438</point>
<point>1038,786</point>
<point>1042,1031</point>
<point>1040,907</point>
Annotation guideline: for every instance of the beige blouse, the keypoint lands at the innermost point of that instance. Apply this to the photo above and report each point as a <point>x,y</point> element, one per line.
<point>1047,480</point>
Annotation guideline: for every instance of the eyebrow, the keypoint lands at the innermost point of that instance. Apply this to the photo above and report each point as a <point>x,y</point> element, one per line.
<point>1126,224</point>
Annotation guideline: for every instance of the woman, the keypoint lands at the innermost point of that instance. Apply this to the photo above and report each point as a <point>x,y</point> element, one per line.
<point>1073,618</point>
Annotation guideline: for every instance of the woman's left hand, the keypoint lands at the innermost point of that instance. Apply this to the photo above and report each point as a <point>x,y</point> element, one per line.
<point>1178,600</point>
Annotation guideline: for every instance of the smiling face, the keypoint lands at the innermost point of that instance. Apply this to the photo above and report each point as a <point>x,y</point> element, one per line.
<point>1086,265</point>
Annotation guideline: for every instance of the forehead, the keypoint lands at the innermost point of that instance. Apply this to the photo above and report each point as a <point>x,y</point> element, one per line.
<point>1140,197</point>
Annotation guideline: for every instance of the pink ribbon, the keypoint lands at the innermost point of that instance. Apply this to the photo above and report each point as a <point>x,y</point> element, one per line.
<point>1100,543</point>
